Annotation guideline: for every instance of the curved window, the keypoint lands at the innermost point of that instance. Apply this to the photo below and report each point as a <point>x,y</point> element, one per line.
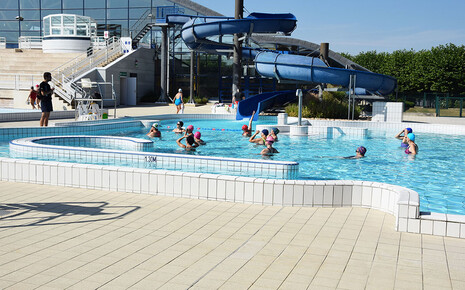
<point>69,25</point>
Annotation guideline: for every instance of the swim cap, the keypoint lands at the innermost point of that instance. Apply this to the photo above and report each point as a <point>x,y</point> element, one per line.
<point>190,140</point>
<point>180,90</point>
<point>275,130</point>
<point>265,132</point>
<point>197,135</point>
<point>245,127</point>
<point>180,123</point>
<point>270,139</point>
<point>409,130</point>
<point>190,127</point>
<point>155,125</point>
<point>411,136</point>
<point>362,150</point>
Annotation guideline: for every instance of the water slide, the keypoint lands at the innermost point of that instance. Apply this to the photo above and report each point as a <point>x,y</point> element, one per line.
<point>201,34</point>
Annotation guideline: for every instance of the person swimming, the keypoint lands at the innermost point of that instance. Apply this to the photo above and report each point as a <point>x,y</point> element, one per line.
<point>359,153</point>
<point>190,142</point>
<point>274,133</point>
<point>197,139</point>
<point>189,129</point>
<point>179,128</point>
<point>403,136</point>
<point>412,146</point>
<point>154,132</point>
<point>262,139</point>
<point>269,147</point>
<point>247,130</point>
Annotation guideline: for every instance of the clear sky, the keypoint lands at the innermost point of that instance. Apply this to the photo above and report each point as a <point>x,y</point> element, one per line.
<point>365,25</point>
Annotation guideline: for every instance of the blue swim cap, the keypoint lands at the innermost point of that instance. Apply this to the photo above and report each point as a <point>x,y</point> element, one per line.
<point>411,136</point>
<point>275,130</point>
<point>409,130</point>
<point>265,132</point>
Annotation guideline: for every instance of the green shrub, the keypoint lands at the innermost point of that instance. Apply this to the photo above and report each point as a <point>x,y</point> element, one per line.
<point>201,101</point>
<point>408,105</point>
<point>333,106</point>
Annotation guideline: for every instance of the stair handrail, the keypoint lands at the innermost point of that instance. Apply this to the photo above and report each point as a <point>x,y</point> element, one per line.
<point>140,23</point>
<point>65,75</point>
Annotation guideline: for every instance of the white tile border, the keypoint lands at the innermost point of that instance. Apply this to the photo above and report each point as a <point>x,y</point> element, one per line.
<point>398,201</point>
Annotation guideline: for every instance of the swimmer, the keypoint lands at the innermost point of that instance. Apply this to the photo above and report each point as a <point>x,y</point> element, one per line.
<point>197,139</point>
<point>269,147</point>
<point>247,130</point>
<point>262,138</point>
<point>154,132</point>
<point>403,137</point>
<point>359,153</point>
<point>274,132</point>
<point>190,143</point>
<point>412,147</point>
<point>189,129</point>
<point>179,128</point>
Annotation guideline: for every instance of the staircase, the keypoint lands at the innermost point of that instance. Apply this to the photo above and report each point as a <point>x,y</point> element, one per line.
<point>64,77</point>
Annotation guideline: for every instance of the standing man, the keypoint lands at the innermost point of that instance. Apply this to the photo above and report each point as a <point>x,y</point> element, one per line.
<point>45,97</point>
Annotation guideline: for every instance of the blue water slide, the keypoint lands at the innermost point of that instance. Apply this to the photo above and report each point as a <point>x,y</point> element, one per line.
<point>261,102</point>
<point>200,34</point>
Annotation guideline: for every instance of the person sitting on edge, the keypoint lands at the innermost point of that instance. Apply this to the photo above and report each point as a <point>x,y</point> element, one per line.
<point>274,133</point>
<point>269,147</point>
<point>262,138</point>
<point>360,153</point>
<point>179,128</point>
<point>247,130</point>
<point>403,136</point>
<point>197,139</point>
<point>412,146</point>
<point>190,143</point>
<point>154,132</point>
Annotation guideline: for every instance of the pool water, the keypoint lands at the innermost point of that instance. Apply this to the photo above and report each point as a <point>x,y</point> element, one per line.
<point>436,173</point>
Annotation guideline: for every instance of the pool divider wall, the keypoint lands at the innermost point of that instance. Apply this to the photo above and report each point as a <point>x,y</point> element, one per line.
<point>53,147</point>
<point>34,115</point>
<point>398,201</point>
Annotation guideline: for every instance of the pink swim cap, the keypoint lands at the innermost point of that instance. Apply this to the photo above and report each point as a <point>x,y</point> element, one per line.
<point>197,135</point>
<point>190,127</point>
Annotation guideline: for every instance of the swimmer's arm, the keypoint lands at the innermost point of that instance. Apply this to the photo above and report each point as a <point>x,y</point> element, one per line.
<point>398,136</point>
<point>179,142</point>
<point>251,120</point>
<point>253,137</point>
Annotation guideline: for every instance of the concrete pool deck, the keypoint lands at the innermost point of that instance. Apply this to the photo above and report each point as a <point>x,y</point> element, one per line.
<point>61,237</point>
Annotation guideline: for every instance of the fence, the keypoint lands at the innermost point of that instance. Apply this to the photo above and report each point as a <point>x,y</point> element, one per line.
<point>449,106</point>
<point>30,42</point>
<point>14,81</point>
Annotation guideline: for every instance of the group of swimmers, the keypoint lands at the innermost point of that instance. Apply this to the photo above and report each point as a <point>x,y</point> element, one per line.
<point>192,139</point>
<point>408,141</point>
<point>268,138</point>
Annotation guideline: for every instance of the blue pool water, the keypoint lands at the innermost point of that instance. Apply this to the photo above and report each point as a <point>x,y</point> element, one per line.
<point>436,173</point>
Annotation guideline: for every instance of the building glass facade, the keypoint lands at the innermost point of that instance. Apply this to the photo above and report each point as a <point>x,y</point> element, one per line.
<point>24,17</point>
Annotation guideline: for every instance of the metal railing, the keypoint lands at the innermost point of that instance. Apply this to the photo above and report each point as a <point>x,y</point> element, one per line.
<point>64,76</point>
<point>2,42</point>
<point>15,81</point>
<point>30,42</point>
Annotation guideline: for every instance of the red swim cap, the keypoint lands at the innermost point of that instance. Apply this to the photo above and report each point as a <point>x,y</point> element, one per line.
<point>245,128</point>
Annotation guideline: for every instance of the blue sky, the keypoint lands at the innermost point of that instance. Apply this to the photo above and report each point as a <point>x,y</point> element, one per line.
<point>363,25</point>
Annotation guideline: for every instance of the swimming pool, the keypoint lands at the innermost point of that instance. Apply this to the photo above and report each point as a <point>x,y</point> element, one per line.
<point>434,174</point>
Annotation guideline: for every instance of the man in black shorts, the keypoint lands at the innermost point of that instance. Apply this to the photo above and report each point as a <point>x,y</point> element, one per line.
<point>45,97</point>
